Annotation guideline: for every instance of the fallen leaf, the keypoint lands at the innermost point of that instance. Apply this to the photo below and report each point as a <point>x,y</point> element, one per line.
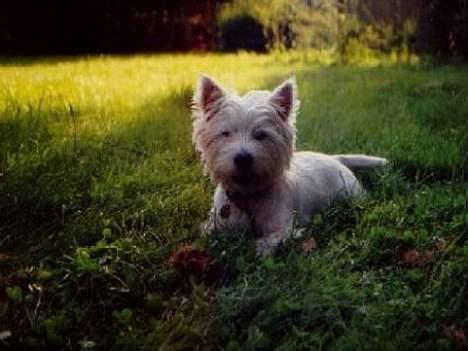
<point>413,257</point>
<point>309,245</point>
<point>189,260</point>
<point>458,336</point>
<point>5,260</point>
<point>441,244</point>
<point>410,257</point>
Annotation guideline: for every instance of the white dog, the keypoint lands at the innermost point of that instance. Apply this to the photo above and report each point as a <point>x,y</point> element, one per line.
<point>247,147</point>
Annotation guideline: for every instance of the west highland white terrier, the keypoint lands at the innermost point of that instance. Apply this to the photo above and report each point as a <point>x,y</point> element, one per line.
<point>247,147</point>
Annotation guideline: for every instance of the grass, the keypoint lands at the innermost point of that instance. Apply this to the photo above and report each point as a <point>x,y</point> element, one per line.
<point>99,185</point>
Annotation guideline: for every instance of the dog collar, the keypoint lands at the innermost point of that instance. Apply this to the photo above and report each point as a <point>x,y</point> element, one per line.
<point>241,201</point>
<point>244,202</point>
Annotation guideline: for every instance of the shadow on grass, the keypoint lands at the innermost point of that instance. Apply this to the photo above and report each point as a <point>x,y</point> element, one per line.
<point>439,108</point>
<point>29,61</point>
<point>50,181</point>
<point>104,213</point>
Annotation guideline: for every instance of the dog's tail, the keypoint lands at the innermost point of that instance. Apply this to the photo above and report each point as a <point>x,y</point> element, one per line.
<point>361,162</point>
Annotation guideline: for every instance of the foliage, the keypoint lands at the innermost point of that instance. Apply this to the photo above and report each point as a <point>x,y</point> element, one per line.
<point>290,24</point>
<point>352,28</point>
<point>356,26</point>
<point>436,27</point>
<point>242,32</point>
<point>100,185</point>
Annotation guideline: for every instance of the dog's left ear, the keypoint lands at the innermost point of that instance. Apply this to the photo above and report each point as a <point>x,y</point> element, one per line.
<point>284,99</point>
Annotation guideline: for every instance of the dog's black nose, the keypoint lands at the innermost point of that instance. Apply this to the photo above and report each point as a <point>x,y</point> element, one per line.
<point>243,160</point>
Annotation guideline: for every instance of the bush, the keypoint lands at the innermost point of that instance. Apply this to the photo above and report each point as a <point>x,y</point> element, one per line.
<point>355,30</point>
<point>242,32</point>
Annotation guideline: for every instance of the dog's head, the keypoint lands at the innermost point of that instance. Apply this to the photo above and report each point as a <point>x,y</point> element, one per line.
<point>246,142</point>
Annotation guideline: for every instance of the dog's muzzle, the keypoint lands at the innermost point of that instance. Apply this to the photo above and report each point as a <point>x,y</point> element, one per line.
<point>243,179</point>
<point>243,161</point>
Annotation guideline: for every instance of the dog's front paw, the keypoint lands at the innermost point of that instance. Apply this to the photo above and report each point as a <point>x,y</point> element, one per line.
<point>267,244</point>
<point>208,226</point>
<point>265,247</point>
<point>299,233</point>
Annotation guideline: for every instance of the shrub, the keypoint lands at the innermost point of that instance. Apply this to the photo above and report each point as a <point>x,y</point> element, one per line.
<point>242,32</point>
<point>285,24</point>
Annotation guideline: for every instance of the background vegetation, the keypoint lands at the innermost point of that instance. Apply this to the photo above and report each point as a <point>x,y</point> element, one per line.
<point>436,27</point>
<point>102,196</point>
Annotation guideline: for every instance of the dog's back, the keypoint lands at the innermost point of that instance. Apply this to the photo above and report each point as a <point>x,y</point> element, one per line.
<point>318,179</point>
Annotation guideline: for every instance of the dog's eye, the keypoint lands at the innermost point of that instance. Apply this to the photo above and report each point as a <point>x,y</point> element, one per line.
<point>260,135</point>
<point>226,134</point>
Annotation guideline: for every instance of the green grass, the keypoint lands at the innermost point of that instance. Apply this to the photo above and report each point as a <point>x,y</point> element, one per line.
<point>99,184</point>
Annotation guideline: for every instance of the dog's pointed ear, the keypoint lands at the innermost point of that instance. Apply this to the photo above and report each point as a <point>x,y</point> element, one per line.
<point>207,94</point>
<point>284,99</point>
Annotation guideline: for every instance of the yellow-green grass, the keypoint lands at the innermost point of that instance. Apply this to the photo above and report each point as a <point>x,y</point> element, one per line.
<point>99,183</point>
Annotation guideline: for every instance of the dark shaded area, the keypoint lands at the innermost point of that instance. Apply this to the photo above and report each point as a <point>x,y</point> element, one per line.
<point>29,27</point>
<point>44,221</point>
<point>443,28</point>
<point>242,33</point>
<point>52,27</point>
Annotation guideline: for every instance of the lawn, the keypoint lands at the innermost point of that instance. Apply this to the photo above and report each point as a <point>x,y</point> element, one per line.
<point>100,185</point>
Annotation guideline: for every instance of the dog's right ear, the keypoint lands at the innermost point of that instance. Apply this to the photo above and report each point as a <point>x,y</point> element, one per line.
<point>284,100</point>
<point>207,95</point>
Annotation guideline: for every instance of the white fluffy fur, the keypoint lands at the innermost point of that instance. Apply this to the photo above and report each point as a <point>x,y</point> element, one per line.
<point>280,183</point>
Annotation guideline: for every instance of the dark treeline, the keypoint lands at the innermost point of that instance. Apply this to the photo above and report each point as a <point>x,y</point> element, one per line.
<point>444,28</point>
<point>31,27</point>
<point>95,26</point>
<point>441,25</point>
